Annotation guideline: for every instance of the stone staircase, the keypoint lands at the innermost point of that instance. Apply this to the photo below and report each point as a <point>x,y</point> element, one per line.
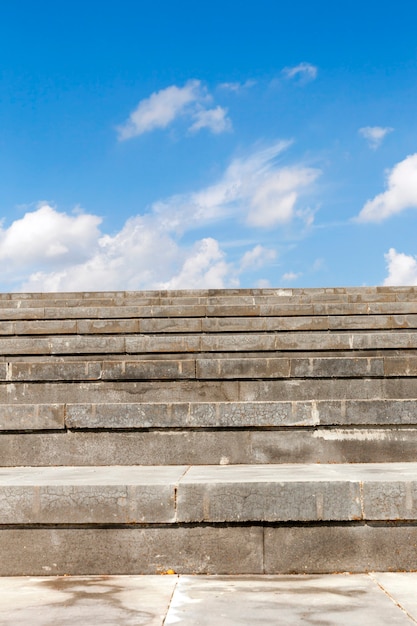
<point>237,431</point>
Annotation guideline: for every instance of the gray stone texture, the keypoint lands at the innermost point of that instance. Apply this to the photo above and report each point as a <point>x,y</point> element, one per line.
<point>133,550</point>
<point>209,431</point>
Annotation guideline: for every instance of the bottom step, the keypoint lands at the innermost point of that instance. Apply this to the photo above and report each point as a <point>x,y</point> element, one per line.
<point>204,549</point>
<point>208,519</point>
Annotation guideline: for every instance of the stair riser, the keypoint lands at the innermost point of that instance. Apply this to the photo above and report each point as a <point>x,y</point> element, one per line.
<point>206,324</point>
<point>208,549</point>
<point>209,447</point>
<point>208,391</point>
<point>267,342</point>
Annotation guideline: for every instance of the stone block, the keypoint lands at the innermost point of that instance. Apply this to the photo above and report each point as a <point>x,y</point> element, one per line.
<point>107,326</point>
<point>80,344</point>
<point>31,417</point>
<point>83,551</point>
<point>391,499</point>
<point>360,322</point>
<point>148,370</point>
<point>171,325</point>
<point>341,548</point>
<point>194,415</point>
<point>161,343</point>
<point>242,368</point>
<point>376,411</point>
<point>401,366</point>
<point>24,345</point>
<point>336,445</point>
<point>241,343</point>
<point>266,493</point>
<point>88,495</point>
<point>339,367</point>
<point>49,371</point>
<point>45,327</point>
<point>6,328</point>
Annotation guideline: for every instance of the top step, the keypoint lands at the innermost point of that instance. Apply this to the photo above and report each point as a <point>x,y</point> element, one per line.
<point>210,296</point>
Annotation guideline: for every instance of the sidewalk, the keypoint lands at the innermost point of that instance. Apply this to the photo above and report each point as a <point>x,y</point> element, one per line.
<point>377,599</point>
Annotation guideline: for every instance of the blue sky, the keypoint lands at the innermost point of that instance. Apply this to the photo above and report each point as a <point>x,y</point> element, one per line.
<point>191,145</point>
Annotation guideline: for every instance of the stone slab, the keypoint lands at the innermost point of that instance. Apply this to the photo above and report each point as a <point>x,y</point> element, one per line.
<point>281,390</point>
<point>401,587</point>
<point>267,493</point>
<point>298,492</point>
<point>32,417</point>
<point>208,447</point>
<point>184,368</point>
<point>192,415</point>
<point>93,601</point>
<point>280,601</point>
<point>132,550</point>
<point>326,548</point>
<point>88,495</point>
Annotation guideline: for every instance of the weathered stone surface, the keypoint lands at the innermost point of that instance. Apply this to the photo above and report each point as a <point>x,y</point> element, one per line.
<point>100,495</point>
<point>171,325</point>
<point>38,371</point>
<point>176,447</point>
<point>160,343</point>
<point>121,600</point>
<point>378,412</point>
<point>267,493</point>
<point>147,370</point>
<point>78,551</point>
<point>348,367</point>
<point>234,446</point>
<point>340,548</point>
<point>271,600</point>
<point>117,391</point>
<point>43,327</point>
<point>242,368</point>
<point>107,326</point>
<point>195,415</point>
<point>31,417</point>
<point>209,391</point>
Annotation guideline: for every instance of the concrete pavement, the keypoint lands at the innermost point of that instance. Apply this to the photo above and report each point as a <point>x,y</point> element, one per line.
<point>375,599</point>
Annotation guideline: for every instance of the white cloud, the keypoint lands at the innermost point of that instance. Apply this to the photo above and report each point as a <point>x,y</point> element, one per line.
<point>160,109</point>
<point>304,71</point>
<point>47,236</point>
<point>374,135</point>
<point>402,268</point>
<point>236,87</point>
<point>254,190</point>
<point>47,250</point>
<point>205,265</point>
<point>401,193</point>
<point>291,276</point>
<point>274,200</point>
<point>163,107</point>
<point>257,257</point>
<point>215,120</point>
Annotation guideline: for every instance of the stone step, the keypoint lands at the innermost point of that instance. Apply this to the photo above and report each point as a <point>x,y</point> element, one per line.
<point>222,519</point>
<point>208,390</point>
<point>213,296</point>
<point>249,324</point>
<point>182,446</point>
<point>204,415</point>
<point>230,342</point>
<point>211,494</point>
<point>288,308</point>
<point>201,368</point>
<point>209,549</point>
